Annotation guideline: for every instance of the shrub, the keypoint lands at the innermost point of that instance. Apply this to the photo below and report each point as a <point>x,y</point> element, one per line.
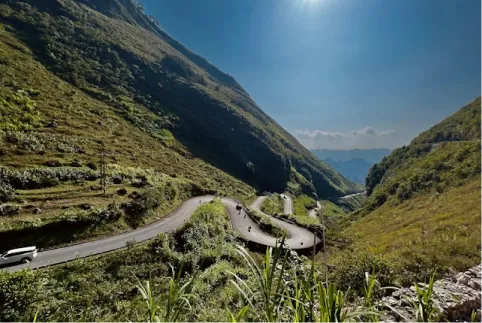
<point>41,142</point>
<point>92,165</point>
<point>350,272</point>
<point>141,203</point>
<point>9,210</point>
<point>33,178</point>
<point>273,204</point>
<point>17,112</point>
<point>18,291</point>
<point>53,163</point>
<point>266,224</point>
<point>7,192</point>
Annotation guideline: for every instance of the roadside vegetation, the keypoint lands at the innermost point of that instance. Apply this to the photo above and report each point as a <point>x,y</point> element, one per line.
<point>211,283</point>
<point>53,206</point>
<point>273,204</point>
<point>104,288</point>
<point>203,271</point>
<point>266,223</point>
<point>301,205</point>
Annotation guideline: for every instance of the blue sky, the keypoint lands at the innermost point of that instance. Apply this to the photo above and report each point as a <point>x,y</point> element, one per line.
<point>340,73</point>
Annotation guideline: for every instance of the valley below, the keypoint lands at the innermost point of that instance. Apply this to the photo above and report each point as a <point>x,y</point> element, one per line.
<point>155,189</point>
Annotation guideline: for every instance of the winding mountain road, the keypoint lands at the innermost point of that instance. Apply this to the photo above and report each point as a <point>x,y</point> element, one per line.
<point>351,195</point>
<point>299,238</point>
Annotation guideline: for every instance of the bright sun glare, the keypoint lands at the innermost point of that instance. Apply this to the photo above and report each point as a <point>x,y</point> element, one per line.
<point>307,4</point>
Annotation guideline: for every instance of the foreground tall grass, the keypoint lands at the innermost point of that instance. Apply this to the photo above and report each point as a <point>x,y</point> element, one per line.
<point>282,287</point>
<point>174,303</point>
<point>287,291</point>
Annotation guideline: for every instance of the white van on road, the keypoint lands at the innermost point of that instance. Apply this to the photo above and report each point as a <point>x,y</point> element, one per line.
<point>20,255</point>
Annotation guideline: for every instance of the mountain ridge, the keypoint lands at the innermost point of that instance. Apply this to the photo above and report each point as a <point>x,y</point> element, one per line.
<point>154,86</point>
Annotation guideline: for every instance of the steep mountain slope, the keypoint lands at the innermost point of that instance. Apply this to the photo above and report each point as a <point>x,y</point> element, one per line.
<point>118,56</point>
<point>448,154</point>
<point>423,209</point>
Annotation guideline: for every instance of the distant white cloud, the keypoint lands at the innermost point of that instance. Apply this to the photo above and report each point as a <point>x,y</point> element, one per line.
<point>365,138</point>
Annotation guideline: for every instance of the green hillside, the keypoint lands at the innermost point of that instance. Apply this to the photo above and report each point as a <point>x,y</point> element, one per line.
<point>446,155</point>
<point>423,208</point>
<point>112,53</point>
<point>463,125</point>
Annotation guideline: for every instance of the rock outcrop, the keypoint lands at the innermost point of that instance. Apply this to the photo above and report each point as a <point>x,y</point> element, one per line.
<point>456,298</point>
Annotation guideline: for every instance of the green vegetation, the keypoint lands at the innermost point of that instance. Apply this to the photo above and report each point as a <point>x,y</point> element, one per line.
<point>436,230</point>
<point>446,155</point>
<point>463,125</point>
<point>17,111</point>
<point>210,277</point>
<point>449,165</point>
<point>423,208</point>
<point>104,289</point>
<point>273,204</point>
<point>299,184</point>
<point>267,224</point>
<point>65,206</point>
<point>302,204</point>
<point>126,76</point>
<point>50,169</point>
<point>426,311</point>
<point>352,203</point>
<point>331,210</point>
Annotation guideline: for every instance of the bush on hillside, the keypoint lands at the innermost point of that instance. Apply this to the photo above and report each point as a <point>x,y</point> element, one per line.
<point>34,178</point>
<point>137,209</point>
<point>350,273</point>
<point>7,193</point>
<point>6,210</point>
<point>18,291</point>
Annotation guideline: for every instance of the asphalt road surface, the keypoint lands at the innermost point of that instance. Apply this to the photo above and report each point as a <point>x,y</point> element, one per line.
<point>351,195</point>
<point>300,238</point>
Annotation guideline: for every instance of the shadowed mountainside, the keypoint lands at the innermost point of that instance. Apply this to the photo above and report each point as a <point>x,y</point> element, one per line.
<point>116,54</point>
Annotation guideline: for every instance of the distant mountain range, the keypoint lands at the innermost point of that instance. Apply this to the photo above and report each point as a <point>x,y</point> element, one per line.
<point>353,164</point>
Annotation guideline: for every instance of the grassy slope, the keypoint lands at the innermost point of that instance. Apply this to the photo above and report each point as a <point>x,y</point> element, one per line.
<point>103,288</point>
<point>351,203</point>
<point>463,125</point>
<point>446,155</point>
<point>444,227</point>
<point>135,71</point>
<point>90,121</point>
<point>424,206</point>
<point>83,123</point>
<point>330,209</point>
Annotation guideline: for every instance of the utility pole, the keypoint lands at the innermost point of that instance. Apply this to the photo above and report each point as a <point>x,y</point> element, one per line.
<point>324,235</point>
<point>103,169</point>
